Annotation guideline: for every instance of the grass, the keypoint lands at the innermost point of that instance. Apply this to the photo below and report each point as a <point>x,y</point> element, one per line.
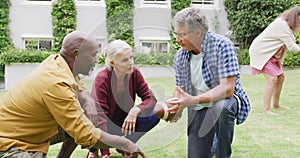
<point>261,136</point>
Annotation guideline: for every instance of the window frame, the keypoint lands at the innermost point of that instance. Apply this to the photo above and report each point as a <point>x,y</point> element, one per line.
<point>154,43</point>
<point>39,40</point>
<point>90,2</point>
<point>155,2</point>
<point>37,37</point>
<point>201,4</point>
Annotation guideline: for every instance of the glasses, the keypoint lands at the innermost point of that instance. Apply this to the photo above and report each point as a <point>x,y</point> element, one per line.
<point>180,35</point>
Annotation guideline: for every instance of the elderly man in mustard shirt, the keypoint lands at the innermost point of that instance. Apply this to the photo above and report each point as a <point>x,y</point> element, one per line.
<point>34,108</point>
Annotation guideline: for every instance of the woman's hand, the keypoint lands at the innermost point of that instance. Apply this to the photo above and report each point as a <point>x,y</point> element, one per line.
<point>128,126</point>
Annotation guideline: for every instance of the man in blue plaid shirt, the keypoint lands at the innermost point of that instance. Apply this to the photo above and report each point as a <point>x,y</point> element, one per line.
<point>208,83</point>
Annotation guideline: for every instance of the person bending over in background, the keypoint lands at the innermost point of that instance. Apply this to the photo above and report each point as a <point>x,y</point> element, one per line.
<point>267,52</point>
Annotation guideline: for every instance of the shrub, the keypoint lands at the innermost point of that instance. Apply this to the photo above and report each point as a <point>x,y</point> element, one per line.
<point>5,40</point>
<point>32,56</point>
<point>243,57</point>
<point>63,20</point>
<point>23,56</point>
<point>153,59</point>
<point>291,59</point>
<point>119,15</point>
<point>248,18</point>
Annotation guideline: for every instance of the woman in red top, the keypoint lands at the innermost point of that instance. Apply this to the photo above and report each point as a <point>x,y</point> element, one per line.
<point>115,89</point>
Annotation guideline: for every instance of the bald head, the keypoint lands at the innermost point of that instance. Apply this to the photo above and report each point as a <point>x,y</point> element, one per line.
<point>73,41</point>
<point>79,44</point>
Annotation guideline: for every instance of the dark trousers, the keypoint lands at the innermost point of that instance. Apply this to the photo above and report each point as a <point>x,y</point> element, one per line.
<point>203,124</point>
<point>143,125</point>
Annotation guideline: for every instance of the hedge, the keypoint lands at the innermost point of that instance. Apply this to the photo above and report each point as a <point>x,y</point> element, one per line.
<point>32,56</point>
<point>248,18</point>
<point>20,56</point>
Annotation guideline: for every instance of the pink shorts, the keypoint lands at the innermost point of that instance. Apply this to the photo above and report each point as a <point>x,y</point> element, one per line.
<point>272,67</point>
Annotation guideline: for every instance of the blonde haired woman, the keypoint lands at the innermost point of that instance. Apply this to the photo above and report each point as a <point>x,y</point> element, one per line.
<point>115,89</point>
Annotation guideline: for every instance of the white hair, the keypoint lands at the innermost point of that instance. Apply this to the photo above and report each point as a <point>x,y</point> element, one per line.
<point>114,48</point>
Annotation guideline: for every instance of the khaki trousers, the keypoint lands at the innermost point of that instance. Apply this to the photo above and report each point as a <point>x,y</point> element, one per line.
<point>16,153</point>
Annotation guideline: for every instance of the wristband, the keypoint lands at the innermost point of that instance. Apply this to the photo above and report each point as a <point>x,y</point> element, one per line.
<point>166,113</point>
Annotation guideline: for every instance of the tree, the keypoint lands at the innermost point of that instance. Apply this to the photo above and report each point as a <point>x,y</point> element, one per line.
<point>248,18</point>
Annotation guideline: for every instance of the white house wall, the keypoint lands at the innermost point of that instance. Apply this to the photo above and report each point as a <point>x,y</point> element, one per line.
<point>216,17</point>
<point>32,19</point>
<point>29,18</point>
<point>151,24</point>
<point>92,19</point>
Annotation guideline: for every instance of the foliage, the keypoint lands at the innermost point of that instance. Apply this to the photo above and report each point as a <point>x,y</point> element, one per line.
<point>175,7</point>
<point>35,56</point>
<point>5,40</point>
<point>23,56</point>
<point>291,59</point>
<point>248,18</point>
<point>63,20</point>
<point>243,57</point>
<point>119,15</point>
<point>297,36</point>
<point>153,59</point>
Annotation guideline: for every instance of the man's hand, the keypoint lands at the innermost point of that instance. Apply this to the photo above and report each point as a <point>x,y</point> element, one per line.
<point>88,105</point>
<point>105,156</point>
<point>134,155</point>
<point>108,140</point>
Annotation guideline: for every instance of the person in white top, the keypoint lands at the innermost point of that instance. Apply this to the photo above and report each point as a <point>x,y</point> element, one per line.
<point>267,52</point>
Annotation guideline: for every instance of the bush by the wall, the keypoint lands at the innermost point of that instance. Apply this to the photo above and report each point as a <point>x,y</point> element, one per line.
<point>31,56</point>
<point>154,59</point>
<point>5,40</point>
<point>23,56</point>
<point>63,20</point>
<point>243,57</point>
<point>119,15</point>
<point>291,59</point>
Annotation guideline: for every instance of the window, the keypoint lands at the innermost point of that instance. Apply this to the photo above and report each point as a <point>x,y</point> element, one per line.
<point>38,44</point>
<point>204,2</point>
<point>207,4</point>
<point>155,1</point>
<point>154,47</point>
<point>94,3</point>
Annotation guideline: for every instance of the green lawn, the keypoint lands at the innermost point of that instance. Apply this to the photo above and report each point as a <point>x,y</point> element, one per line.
<point>261,136</point>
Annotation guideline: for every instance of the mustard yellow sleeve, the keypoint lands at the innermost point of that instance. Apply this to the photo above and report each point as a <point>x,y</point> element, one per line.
<point>62,103</point>
<point>81,86</point>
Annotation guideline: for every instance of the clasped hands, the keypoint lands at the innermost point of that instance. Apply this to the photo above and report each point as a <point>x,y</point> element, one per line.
<point>184,101</point>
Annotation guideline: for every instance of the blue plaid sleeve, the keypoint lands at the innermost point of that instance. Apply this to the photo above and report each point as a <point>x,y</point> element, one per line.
<point>181,68</point>
<point>228,62</point>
